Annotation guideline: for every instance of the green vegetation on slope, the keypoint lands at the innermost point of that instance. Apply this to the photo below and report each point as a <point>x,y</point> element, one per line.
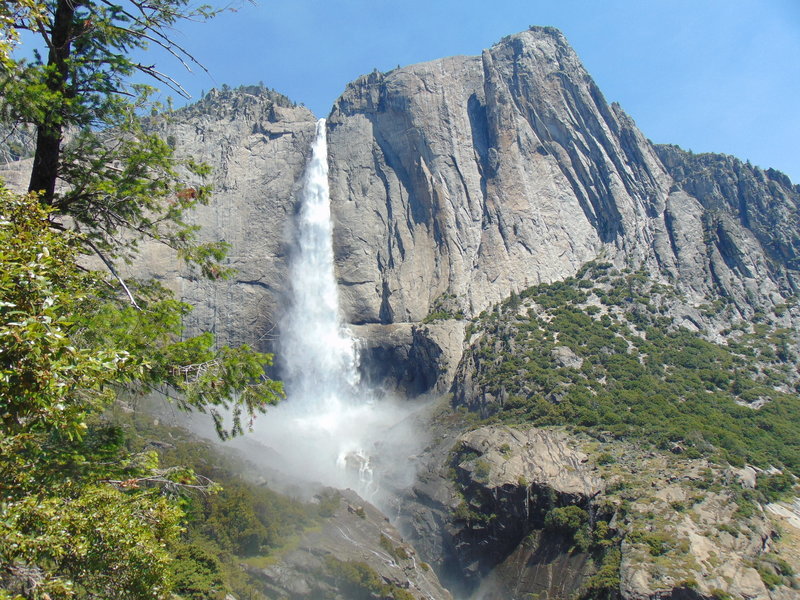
<point>240,521</point>
<point>596,351</point>
<point>361,582</point>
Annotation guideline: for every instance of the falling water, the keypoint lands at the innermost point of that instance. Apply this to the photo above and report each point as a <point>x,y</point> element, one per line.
<point>319,356</point>
<point>327,429</point>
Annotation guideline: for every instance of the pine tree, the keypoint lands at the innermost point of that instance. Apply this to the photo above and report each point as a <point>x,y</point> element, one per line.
<point>101,175</point>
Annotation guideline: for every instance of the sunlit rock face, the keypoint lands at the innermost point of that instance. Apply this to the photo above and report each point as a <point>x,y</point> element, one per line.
<point>479,175</point>
<point>257,143</point>
<point>470,177</point>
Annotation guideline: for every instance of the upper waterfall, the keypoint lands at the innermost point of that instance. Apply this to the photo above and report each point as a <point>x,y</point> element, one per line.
<point>319,356</point>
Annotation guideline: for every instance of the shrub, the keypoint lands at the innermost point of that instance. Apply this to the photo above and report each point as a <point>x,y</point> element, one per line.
<point>482,469</point>
<point>606,458</point>
<point>567,519</point>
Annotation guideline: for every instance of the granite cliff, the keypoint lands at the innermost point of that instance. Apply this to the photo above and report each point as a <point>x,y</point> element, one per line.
<point>458,181</point>
<point>468,178</point>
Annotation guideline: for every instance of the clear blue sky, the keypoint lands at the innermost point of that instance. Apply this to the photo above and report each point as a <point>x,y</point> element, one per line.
<point>709,75</point>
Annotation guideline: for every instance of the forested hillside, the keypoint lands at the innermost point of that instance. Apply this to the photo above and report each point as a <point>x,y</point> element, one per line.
<point>601,352</point>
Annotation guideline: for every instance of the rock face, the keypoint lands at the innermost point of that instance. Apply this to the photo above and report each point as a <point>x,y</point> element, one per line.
<point>478,510</point>
<point>477,176</point>
<point>492,172</point>
<point>511,478</point>
<point>257,143</point>
<point>738,197</point>
<point>510,512</point>
<point>356,553</point>
<point>411,358</point>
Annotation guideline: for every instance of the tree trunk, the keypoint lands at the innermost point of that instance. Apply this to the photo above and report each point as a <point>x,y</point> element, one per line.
<point>50,130</point>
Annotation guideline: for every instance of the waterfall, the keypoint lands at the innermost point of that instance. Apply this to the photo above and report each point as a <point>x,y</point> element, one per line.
<point>319,356</point>
<point>331,429</point>
<point>324,430</point>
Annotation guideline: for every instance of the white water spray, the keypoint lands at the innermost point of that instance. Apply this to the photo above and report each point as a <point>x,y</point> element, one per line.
<point>328,430</point>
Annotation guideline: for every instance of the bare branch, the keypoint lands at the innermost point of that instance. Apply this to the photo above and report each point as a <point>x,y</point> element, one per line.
<point>174,85</point>
<point>111,268</point>
<point>161,477</point>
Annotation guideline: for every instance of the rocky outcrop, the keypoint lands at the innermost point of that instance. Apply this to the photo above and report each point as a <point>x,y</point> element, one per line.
<point>508,480</point>
<point>478,510</point>
<point>356,553</point>
<point>522,511</point>
<point>763,202</point>
<point>410,358</point>
<point>479,175</point>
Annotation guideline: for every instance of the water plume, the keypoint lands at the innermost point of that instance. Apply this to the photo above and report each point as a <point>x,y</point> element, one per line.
<point>331,428</point>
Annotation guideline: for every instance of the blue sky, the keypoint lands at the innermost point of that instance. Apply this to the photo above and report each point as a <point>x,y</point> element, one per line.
<point>709,75</point>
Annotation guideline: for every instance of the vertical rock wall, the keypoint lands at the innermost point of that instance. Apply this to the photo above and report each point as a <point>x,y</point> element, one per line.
<point>257,143</point>
<point>467,178</point>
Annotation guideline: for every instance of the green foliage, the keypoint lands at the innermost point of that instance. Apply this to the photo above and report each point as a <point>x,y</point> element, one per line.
<point>359,581</point>
<point>221,530</point>
<point>472,517</point>
<point>746,503</point>
<point>777,486</point>
<point>82,515</point>
<point>604,583</point>
<point>566,519</point>
<point>482,469</point>
<point>690,583</point>
<point>573,523</point>
<point>769,577</point>
<point>658,543</point>
<point>329,501</point>
<point>773,570</point>
<point>642,376</point>
<point>606,458</point>
<point>46,382</point>
<point>80,536</point>
<point>442,309</point>
<point>197,572</point>
<point>122,184</point>
<point>396,552</point>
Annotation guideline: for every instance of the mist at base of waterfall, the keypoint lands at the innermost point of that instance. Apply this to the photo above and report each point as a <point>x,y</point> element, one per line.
<point>368,446</point>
